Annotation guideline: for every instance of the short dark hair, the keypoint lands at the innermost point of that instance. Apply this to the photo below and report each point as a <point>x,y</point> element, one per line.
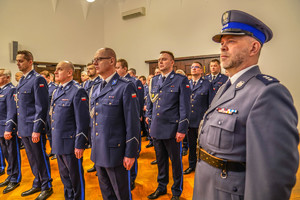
<point>142,77</point>
<point>168,52</point>
<point>198,63</point>
<point>215,60</point>
<point>45,73</point>
<point>27,55</point>
<point>123,62</point>
<point>133,70</point>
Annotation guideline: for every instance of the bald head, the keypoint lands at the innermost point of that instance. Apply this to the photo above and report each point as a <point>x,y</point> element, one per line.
<point>64,72</point>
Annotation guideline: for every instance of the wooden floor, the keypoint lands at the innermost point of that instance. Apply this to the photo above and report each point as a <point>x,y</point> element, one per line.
<point>145,184</point>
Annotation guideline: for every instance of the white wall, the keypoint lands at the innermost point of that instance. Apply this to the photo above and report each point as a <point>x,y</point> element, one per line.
<point>186,27</point>
<point>50,36</point>
<point>182,26</point>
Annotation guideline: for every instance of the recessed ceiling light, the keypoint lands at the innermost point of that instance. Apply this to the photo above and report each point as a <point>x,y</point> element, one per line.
<point>90,0</point>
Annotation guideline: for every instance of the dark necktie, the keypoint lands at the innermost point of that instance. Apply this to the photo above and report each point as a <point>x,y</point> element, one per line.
<point>21,80</point>
<point>103,84</point>
<point>59,91</point>
<point>228,84</point>
<point>194,83</point>
<point>213,77</point>
<point>163,79</point>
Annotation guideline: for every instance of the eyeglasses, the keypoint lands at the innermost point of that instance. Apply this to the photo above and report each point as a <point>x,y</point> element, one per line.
<point>195,67</point>
<point>95,60</point>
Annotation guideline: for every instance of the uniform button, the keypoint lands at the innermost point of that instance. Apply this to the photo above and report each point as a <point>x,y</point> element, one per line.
<point>192,111</point>
<point>52,120</point>
<point>52,128</point>
<point>193,94</point>
<point>158,106</point>
<point>158,98</point>
<point>97,104</point>
<point>160,91</point>
<point>71,136</point>
<point>96,124</point>
<point>97,134</point>
<point>17,106</point>
<point>219,122</point>
<point>234,189</point>
<point>53,112</point>
<point>18,113</point>
<point>119,145</point>
<point>25,92</point>
<point>53,104</point>
<point>171,90</point>
<point>63,104</point>
<point>14,128</point>
<point>96,113</point>
<point>157,114</point>
<point>192,105</point>
<point>18,92</point>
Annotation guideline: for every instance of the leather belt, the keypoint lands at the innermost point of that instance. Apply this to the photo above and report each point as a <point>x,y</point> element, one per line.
<point>225,165</point>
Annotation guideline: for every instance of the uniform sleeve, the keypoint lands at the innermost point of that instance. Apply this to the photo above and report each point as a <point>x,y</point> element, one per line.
<point>272,139</point>
<point>131,116</point>
<point>140,94</point>
<point>41,96</point>
<point>184,106</point>
<point>82,118</point>
<point>11,120</point>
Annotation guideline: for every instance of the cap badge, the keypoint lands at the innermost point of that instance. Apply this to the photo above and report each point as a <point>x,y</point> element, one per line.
<point>240,84</point>
<point>225,18</point>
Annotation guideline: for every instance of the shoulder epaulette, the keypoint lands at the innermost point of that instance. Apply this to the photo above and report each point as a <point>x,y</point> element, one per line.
<point>266,79</point>
<point>124,79</point>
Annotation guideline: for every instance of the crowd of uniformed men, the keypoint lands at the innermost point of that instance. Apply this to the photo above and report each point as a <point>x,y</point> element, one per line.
<point>110,110</point>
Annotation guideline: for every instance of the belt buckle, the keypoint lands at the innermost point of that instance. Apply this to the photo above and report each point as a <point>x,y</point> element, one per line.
<point>224,170</point>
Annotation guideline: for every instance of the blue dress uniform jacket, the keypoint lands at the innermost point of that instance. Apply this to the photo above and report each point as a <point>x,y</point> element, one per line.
<point>215,84</point>
<point>89,84</point>
<point>51,87</point>
<point>199,101</point>
<point>32,109</point>
<point>115,115</point>
<point>140,92</point>
<point>70,119</point>
<point>32,104</point>
<point>8,114</point>
<point>170,110</point>
<point>8,122</point>
<point>254,121</point>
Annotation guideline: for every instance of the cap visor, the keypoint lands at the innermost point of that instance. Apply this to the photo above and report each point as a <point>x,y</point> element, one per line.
<point>217,38</point>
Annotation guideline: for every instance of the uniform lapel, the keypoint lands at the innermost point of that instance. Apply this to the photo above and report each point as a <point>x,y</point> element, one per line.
<point>229,94</point>
<point>167,80</point>
<point>64,90</point>
<point>113,81</point>
<point>26,79</point>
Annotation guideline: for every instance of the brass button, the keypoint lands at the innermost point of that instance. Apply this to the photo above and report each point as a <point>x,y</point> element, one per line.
<point>158,106</point>
<point>97,104</point>
<point>63,104</point>
<point>52,120</point>
<point>53,104</point>
<point>192,111</point>
<point>18,113</point>
<point>97,134</point>
<point>119,145</point>
<point>157,114</point>
<point>96,124</point>
<point>109,103</point>
<point>96,113</point>
<point>71,136</point>
<point>17,106</point>
<point>192,105</point>
<point>160,91</point>
<point>52,128</point>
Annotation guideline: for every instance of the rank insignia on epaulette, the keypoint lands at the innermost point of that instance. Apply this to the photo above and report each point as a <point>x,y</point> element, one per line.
<point>114,82</point>
<point>227,111</point>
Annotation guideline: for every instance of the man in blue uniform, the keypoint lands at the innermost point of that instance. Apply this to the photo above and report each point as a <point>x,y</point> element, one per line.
<point>248,140</point>
<point>70,121</point>
<point>169,109</point>
<point>32,108</point>
<point>216,78</point>
<point>122,70</point>
<point>51,87</point>
<point>199,104</point>
<point>94,78</point>
<point>8,132</point>
<point>115,134</point>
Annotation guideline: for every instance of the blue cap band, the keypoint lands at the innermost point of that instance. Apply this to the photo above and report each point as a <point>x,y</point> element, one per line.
<point>237,25</point>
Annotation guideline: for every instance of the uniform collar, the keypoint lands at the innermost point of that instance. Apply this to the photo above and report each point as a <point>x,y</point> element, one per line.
<point>240,73</point>
<point>25,75</point>
<point>110,77</point>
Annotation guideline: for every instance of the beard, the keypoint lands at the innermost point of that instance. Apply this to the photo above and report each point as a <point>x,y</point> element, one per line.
<point>235,61</point>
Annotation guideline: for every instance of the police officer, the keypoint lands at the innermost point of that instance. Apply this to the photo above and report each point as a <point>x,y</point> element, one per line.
<point>70,122</point>
<point>115,134</point>
<point>8,132</point>
<point>122,70</point>
<point>32,107</point>
<point>51,87</point>
<point>94,78</point>
<point>168,109</point>
<point>199,104</point>
<point>248,137</point>
<point>216,78</point>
